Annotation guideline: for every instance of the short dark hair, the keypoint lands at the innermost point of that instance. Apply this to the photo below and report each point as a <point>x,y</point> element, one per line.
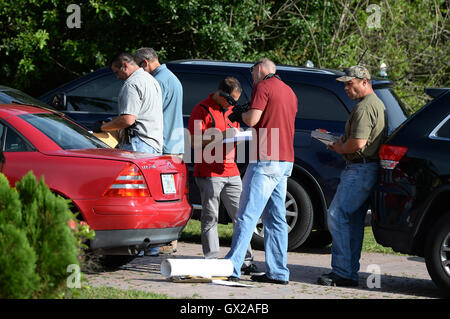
<point>121,57</point>
<point>230,84</point>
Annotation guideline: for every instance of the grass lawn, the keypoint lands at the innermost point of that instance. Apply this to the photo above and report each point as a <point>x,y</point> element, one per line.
<point>192,234</point>
<point>111,293</point>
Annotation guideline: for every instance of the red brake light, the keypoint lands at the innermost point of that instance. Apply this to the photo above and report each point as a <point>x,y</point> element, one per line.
<point>390,155</point>
<point>129,183</point>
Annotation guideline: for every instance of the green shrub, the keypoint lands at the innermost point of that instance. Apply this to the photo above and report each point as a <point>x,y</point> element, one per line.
<point>17,264</point>
<point>10,206</point>
<point>41,224</point>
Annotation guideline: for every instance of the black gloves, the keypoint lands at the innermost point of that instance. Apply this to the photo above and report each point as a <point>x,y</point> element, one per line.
<point>97,127</point>
<point>236,114</point>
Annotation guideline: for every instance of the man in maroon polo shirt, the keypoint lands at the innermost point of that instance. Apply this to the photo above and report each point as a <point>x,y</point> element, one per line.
<point>215,170</point>
<point>272,114</point>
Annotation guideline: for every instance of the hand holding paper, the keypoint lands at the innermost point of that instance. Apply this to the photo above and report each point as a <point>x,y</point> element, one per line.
<point>324,136</point>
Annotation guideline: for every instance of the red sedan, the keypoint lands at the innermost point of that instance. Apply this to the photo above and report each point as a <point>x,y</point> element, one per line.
<point>132,200</point>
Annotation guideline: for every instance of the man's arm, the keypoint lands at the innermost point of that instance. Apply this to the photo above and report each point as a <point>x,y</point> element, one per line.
<point>120,122</point>
<point>252,117</point>
<point>350,146</point>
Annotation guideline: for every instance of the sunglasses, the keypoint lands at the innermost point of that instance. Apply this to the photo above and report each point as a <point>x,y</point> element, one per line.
<point>253,66</point>
<point>229,98</point>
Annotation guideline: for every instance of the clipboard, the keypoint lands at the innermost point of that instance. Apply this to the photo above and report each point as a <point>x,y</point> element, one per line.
<point>324,136</point>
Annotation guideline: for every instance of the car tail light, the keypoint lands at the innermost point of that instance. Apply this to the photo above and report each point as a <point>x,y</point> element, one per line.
<point>390,155</point>
<point>129,183</point>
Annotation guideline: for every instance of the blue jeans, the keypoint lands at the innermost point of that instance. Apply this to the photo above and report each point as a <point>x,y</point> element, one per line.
<point>264,195</point>
<point>138,145</point>
<point>346,216</point>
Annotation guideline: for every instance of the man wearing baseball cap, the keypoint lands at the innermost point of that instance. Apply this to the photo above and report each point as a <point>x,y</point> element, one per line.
<point>365,131</point>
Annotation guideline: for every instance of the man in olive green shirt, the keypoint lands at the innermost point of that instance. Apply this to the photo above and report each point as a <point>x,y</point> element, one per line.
<point>365,131</point>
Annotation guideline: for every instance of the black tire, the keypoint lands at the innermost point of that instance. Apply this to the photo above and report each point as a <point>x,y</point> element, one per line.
<point>113,262</point>
<point>437,253</point>
<point>299,217</point>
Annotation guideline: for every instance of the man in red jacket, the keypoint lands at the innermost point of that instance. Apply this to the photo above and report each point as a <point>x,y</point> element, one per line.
<point>215,170</point>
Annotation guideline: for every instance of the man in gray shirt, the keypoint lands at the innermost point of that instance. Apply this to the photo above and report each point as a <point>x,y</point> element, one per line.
<point>140,108</point>
<point>172,95</point>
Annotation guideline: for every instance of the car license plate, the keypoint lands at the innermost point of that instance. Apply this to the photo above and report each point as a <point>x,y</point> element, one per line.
<point>168,183</point>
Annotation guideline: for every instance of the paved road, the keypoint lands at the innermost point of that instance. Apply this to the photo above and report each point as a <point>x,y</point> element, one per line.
<point>401,277</point>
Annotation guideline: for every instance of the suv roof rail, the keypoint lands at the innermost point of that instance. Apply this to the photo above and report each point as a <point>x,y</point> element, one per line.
<point>435,92</point>
<point>281,67</point>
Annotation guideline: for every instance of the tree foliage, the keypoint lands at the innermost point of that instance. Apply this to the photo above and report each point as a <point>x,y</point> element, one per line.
<point>39,51</point>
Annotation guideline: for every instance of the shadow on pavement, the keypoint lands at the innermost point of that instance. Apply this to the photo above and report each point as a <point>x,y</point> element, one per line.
<point>305,274</point>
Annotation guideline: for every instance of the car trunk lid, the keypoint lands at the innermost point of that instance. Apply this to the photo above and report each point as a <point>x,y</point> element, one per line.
<point>165,176</point>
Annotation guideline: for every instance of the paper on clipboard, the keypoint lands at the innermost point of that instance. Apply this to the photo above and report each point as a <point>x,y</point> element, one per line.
<point>324,136</point>
<point>240,136</point>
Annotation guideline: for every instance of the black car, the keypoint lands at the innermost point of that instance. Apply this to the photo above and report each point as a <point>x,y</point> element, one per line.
<point>411,209</point>
<point>9,95</point>
<point>323,104</point>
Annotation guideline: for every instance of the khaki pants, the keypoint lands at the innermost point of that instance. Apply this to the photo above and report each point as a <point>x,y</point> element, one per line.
<point>213,190</point>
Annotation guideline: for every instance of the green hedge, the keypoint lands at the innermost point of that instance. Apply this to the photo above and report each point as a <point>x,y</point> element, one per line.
<point>36,243</point>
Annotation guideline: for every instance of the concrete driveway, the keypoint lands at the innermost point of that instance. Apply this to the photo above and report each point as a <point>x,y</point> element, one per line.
<point>381,277</point>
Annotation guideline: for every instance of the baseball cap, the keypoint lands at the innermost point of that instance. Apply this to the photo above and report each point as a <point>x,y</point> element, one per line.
<point>356,71</point>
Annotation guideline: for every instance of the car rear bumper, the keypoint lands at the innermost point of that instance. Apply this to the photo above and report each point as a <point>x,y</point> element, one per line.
<point>135,214</point>
<point>131,241</point>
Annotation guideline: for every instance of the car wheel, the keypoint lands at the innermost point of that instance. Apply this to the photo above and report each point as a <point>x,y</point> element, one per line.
<point>299,217</point>
<point>437,253</point>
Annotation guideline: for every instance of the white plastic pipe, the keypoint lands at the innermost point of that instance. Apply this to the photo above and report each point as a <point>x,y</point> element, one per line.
<point>206,268</point>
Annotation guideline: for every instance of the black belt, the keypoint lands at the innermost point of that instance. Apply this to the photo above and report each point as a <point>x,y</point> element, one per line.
<point>362,161</point>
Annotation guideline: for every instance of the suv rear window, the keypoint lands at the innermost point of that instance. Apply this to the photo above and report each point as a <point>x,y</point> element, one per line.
<point>444,131</point>
<point>395,109</point>
<point>197,87</point>
<point>315,103</point>
<point>98,95</point>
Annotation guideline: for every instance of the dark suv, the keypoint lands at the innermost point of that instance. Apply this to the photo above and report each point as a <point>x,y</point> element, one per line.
<point>411,209</point>
<point>323,104</point>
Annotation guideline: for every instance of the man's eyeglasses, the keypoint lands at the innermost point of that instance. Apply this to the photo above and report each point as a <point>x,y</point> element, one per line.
<point>253,66</point>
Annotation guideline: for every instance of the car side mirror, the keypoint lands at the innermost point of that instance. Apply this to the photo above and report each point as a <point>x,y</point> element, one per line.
<point>59,101</point>
<point>2,157</point>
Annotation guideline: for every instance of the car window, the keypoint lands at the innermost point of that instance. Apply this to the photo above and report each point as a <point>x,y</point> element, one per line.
<point>198,86</point>
<point>444,131</point>
<point>63,132</point>
<point>394,108</point>
<point>14,142</point>
<point>316,103</point>
<point>98,95</point>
